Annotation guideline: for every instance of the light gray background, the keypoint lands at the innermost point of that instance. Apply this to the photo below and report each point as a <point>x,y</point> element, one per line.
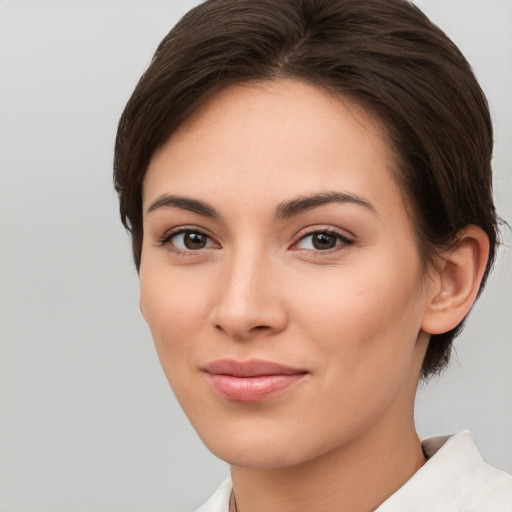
<point>87,420</point>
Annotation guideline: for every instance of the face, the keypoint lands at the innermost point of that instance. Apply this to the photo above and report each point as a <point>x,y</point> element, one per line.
<point>280,276</point>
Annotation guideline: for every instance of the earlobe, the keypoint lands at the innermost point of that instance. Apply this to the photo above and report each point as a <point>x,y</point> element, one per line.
<point>455,284</point>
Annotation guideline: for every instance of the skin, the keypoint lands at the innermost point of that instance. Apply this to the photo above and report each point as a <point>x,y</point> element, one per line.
<point>356,316</point>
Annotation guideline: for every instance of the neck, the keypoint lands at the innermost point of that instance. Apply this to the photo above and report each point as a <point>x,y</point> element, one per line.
<point>360,475</point>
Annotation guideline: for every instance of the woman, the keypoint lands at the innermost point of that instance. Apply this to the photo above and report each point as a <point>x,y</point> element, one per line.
<point>308,189</point>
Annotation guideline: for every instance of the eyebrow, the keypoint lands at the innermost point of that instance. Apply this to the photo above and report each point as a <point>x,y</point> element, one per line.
<point>185,203</point>
<point>300,204</point>
<point>284,210</point>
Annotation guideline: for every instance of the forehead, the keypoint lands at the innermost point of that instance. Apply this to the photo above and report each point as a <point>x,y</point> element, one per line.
<point>283,136</point>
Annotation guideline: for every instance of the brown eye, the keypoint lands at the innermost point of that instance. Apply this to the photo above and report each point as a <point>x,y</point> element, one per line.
<point>188,240</point>
<point>194,240</point>
<point>323,241</point>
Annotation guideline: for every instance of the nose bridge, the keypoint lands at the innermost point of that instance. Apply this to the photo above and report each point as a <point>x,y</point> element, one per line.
<point>248,298</point>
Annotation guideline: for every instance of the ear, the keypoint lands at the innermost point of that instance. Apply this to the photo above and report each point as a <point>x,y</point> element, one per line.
<point>456,281</point>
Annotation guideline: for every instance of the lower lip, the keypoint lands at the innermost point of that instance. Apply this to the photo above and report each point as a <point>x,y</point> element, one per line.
<point>251,389</point>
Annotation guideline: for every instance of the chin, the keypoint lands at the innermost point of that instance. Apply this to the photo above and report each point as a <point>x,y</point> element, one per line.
<point>260,455</point>
<point>252,443</point>
<point>271,444</point>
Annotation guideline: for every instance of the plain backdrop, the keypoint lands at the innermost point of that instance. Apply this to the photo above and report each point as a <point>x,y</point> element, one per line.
<point>88,422</point>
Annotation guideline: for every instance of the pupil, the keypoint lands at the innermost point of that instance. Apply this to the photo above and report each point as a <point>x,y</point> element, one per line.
<point>324,241</point>
<point>194,241</point>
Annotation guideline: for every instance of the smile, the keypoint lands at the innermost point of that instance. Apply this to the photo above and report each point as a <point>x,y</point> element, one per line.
<point>250,381</point>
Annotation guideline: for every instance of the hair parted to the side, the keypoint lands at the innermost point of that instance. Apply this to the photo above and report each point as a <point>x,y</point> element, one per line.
<point>384,54</point>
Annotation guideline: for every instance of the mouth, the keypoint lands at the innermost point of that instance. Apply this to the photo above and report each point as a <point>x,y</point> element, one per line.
<point>250,381</point>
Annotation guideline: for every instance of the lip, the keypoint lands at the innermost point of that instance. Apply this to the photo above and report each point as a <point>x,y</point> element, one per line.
<point>252,380</point>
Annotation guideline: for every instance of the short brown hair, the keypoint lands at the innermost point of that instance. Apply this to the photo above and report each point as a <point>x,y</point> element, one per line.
<point>385,54</point>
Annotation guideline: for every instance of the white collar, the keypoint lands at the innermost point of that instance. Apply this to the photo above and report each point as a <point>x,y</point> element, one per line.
<point>455,478</point>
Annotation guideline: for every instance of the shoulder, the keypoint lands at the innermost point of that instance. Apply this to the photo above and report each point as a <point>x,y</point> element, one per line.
<point>455,478</point>
<point>485,487</point>
<point>481,486</point>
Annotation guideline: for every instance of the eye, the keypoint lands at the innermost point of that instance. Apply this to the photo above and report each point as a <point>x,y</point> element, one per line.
<point>186,240</point>
<point>322,241</point>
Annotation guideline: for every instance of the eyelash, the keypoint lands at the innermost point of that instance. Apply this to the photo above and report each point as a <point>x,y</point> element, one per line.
<point>165,241</point>
<point>344,241</point>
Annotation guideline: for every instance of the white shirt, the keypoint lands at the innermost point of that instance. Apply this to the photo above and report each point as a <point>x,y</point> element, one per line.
<point>455,478</point>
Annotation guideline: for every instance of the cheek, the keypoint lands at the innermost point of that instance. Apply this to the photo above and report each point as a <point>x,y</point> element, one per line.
<point>175,309</point>
<point>363,328</point>
<point>365,317</point>
<point>177,316</point>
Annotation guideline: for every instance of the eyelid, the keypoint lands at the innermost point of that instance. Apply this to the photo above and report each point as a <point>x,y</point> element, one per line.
<point>346,240</point>
<point>165,240</point>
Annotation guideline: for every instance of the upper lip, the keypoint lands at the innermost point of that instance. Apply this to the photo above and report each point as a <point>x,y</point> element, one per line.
<point>250,368</point>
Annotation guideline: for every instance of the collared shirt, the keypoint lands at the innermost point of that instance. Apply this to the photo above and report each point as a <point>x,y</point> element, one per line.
<point>455,478</point>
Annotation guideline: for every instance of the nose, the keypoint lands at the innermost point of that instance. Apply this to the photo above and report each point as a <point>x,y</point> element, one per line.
<point>249,301</point>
